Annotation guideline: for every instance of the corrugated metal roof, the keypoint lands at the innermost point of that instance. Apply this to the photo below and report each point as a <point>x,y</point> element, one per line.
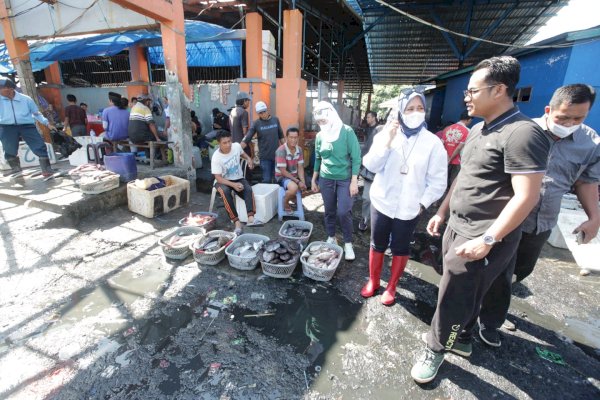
<point>401,50</point>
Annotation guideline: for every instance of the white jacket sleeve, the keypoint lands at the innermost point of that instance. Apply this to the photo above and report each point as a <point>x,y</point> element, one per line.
<point>437,175</point>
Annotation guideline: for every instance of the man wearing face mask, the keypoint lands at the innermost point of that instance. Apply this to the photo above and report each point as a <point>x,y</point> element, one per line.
<point>574,162</point>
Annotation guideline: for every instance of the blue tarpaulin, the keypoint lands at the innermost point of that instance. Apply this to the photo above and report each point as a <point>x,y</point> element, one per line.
<point>205,47</point>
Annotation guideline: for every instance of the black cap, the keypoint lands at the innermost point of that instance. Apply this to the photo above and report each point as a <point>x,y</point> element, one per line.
<point>114,96</point>
<point>7,83</point>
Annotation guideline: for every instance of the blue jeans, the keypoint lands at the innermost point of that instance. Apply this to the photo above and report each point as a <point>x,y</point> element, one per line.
<point>268,170</point>
<point>338,203</point>
<point>10,134</point>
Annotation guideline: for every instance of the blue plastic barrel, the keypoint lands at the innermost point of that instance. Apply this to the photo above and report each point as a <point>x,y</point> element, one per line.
<point>122,164</point>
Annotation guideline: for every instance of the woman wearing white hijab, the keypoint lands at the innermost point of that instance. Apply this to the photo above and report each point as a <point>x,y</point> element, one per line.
<point>410,166</point>
<point>337,161</point>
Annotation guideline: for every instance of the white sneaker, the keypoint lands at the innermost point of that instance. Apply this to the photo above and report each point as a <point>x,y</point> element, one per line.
<point>349,252</point>
<point>332,240</point>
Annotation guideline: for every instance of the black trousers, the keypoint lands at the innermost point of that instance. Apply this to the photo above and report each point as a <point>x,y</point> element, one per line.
<point>463,286</point>
<point>497,300</point>
<point>393,232</point>
<point>227,192</point>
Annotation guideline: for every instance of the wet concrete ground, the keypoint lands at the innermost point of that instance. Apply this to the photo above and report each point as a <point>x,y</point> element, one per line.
<point>95,312</point>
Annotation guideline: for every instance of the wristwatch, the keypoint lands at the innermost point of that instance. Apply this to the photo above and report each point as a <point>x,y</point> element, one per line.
<point>489,239</point>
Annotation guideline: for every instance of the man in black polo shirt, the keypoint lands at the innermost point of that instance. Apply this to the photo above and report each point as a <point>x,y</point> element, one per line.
<point>503,164</point>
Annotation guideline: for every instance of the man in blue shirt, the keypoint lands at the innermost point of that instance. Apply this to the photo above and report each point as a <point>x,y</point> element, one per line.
<point>17,120</point>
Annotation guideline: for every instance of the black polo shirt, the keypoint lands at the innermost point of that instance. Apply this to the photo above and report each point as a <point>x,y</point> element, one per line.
<point>511,144</point>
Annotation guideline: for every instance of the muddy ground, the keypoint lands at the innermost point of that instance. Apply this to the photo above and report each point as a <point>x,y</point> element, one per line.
<point>94,311</point>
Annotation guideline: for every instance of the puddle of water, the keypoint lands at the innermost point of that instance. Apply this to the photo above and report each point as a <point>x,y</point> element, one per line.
<point>315,321</point>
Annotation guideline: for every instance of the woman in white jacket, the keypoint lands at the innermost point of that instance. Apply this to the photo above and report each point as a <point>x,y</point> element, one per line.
<point>410,166</point>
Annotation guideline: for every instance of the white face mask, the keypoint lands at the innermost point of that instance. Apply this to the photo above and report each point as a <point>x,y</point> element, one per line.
<point>414,119</point>
<point>560,130</point>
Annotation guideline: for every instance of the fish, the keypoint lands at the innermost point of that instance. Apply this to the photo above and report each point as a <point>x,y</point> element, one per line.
<point>320,256</point>
<point>197,220</point>
<point>281,251</point>
<point>212,243</point>
<point>296,232</point>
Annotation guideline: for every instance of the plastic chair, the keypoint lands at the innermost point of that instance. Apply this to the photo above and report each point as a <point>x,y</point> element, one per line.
<point>299,213</point>
<point>99,150</point>
<point>213,195</point>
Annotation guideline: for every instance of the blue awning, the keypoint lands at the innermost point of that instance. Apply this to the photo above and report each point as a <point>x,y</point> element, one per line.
<point>207,45</point>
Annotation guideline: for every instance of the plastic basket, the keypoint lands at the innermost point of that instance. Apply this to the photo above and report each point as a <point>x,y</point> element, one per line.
<point>321,274</point>
<point>245,263</point>
<point>180,252</point>
<point>211,257</point>
<point>279,270</point>
<point>208,226</point>
<point>299,224</point>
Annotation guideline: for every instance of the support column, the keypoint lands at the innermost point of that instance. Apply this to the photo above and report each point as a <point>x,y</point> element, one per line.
<point>18,51</point>
<point>340,93</point>
<point>258,88</point>
<point>51,90</point>
<point>369,102</point>
<point>291,89</point>
<point>254,53</point>
<point>173,40</point>
<point>140,78</point>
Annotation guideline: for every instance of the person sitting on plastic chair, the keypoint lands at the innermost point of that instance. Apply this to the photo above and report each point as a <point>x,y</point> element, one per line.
<point>229,176</point>
<point>289,173</point>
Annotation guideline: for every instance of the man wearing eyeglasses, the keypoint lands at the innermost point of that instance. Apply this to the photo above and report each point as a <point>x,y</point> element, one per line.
<point>503,163</point>
<point>270,136</point>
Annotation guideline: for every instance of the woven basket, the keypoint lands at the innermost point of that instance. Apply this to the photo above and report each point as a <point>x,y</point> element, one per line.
<point>180,252</point>
<point>211,257</point>
<point>321,274</point>
<point>208,226</point>
<point>245,263</point>
<point>299,224</point>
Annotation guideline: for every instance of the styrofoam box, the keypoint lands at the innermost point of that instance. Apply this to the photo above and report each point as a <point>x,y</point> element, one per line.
<point>26,156</point>
<point>265,198</point>
<point>151,203</point>
<point>79,156</point>
<point>197,158</point>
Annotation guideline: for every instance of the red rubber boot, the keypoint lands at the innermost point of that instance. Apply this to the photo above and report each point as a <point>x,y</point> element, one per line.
<point>398,264</point>
<point>375,266</point>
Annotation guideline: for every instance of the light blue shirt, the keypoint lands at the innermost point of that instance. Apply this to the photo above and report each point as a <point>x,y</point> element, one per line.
<point>20,110</point>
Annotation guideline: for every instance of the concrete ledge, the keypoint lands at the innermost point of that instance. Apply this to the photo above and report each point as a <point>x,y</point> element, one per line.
<point>61,196</point>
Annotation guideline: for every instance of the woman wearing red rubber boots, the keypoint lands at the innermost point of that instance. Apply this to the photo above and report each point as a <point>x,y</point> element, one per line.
<point>410,166</point>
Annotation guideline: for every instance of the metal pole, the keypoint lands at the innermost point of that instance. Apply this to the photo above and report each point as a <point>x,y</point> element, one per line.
<point>279,30</point>
<point>320,50</point>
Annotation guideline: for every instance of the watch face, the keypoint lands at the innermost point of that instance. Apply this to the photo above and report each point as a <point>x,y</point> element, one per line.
<point>489,240</point>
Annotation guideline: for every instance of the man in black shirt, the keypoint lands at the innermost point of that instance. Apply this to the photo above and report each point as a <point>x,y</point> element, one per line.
<point>503,164</point>
<point>270,135</point>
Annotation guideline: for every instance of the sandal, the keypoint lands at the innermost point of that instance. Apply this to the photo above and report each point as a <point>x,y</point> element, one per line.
<point>237,231</point>
<point>256,222</point>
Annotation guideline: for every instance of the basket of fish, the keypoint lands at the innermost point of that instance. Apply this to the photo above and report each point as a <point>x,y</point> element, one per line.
<point>320,260</point>
<point>245,251</point>
<point>296,230</point>
<point>280,257</point>
<point>176,245</point>
<point>210,249</point>
<point>206,220</point>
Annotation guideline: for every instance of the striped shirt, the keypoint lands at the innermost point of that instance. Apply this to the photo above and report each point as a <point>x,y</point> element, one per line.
<point>140,119</point>
<point>285,159</point>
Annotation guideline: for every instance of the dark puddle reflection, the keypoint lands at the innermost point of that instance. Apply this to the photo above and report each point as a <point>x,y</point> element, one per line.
<point>310,321</point>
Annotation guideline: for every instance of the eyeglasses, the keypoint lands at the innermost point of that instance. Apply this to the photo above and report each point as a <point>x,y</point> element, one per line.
<point>472,91</point>
<point>413,89</point>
